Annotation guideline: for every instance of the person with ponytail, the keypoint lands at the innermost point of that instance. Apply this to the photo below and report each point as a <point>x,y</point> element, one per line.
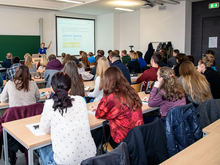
<point>194,83</point>
<point>66,118</point>
<point>213,77</point>
<point>167,92</point>
<point>120,104</point>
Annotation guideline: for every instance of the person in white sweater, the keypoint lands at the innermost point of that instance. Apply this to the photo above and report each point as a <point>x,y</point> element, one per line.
<point>103,65</point>
<point>21,90</point>
<point>66,118</point>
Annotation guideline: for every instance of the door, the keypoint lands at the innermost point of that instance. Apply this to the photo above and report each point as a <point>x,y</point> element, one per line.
<point>211,28</point>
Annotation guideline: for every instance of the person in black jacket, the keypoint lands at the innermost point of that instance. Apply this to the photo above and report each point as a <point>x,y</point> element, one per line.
<point>134,65</point>
<point>212,76</point>
<point>115,58</point>
<point>180,58</point>
<point>7,62</point>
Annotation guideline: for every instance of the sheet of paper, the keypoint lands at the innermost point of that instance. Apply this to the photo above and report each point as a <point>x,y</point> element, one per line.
<point>86,88</point>
<point>213,42</point>
<point>34,128</point>
<point>91,112</point>
<point>134,77</point>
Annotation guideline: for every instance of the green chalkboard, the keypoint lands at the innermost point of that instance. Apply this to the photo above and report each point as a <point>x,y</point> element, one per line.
<point>18,45</point>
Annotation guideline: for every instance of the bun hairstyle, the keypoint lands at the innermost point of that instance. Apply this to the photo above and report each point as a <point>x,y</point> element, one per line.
<point>61,84</point>
<point>173,90</point>
<point>207,60</point>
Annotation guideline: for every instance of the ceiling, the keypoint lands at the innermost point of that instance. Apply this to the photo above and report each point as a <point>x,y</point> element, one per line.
<point>91,7</point>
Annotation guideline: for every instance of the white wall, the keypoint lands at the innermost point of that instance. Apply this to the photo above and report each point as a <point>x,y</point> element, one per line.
<point>105,32</point>
<point>24,21</point>
<point>130,30</point>
<point>164,25</point>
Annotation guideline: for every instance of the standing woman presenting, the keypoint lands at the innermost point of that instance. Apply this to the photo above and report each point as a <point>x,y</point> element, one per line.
<point>43,49</point>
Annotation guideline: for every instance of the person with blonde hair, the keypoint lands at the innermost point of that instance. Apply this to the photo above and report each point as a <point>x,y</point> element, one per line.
<point>194,83</point>
<point>134,65</point>
<point>29,63</point>
<point>43,49</point>
<point>167,92</point>
<point>213,77</point>
<point>43,62</point>
<point>103,65</point>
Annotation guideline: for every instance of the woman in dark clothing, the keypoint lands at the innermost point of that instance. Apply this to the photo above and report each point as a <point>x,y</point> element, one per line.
<point>212,76</point>
<point>180,58</point>
<point>134,65</point>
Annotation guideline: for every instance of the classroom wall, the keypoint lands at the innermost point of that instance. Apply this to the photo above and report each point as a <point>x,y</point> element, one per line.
<point>24,21</point>
<point>164,25</point>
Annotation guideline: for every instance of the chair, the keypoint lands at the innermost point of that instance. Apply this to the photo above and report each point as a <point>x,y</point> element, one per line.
<point>147,143</point>
<point>15,113</point>
<point>209,112</point>
<point>182,128</point>
<point>137,87</point>
<point>93,63</point>
<point>119,155</point>
<point>149,87</point>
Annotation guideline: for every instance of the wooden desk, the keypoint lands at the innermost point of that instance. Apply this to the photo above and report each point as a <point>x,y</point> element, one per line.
<point>36,80</point>
<point>41,71</point>
<point>134,79</point>
<point>203,152</point>
<point>23,135</point>
<point>90,84</point>
<point>214,127</point>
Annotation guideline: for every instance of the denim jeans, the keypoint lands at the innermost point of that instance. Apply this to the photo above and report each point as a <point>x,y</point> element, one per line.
<point>46,155</point>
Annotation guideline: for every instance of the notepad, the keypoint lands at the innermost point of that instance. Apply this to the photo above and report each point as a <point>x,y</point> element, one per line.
<point>91,112</point>
<point>134,77</point>
<point>34,128</point>
<point>86,88</point>
<point>144,102</point>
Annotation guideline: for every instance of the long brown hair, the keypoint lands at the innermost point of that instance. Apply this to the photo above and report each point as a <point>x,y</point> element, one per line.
<point>73,58</point>
<point>22,78</point>
<point>194,82</point>
<point>66,59</point>
<point>28,62</point>
<point>173,90</point>
<point>103,65</point>
<point>77,86</point>
<point>85,60</point>
<point>115,82</point>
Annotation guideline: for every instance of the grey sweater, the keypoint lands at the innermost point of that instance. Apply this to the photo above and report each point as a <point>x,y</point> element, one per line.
<point>20,98</point>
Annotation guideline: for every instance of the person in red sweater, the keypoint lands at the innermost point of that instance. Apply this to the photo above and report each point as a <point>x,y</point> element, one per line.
<point>120,104</point>
<point>151,74</point>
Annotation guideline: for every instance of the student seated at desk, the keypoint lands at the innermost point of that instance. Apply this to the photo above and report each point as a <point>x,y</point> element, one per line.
<point>180,58</point>
<point>194,83</point>
<point>66,118</point>
<point>103,65</point>
<point>120,104</point>
<point>167,92</point>
<point>91,58</point>
<point>10,73</point>
<point>212,76</point>
<point>134,65</point>
<point>21,90</point>
<point>7,62</point>
<point>28,62</point>
<point>66,59</point>
<point>42,63</point>
<point>85,61</point>
<point>80,67</point>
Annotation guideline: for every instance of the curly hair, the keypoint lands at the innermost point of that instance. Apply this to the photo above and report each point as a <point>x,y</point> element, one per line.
<point>173,90</point>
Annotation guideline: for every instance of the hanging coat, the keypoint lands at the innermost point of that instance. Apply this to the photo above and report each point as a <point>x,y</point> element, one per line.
<point>149,53</point>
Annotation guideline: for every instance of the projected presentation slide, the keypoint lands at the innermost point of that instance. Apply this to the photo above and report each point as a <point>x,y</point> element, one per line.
<point>74,35</point>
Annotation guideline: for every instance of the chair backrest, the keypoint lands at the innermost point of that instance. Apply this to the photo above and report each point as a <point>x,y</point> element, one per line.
<point>137,87</point>
<point>147,143</point>
<point>149,87</point>
<point>119,155</point>
<point>209,112</point>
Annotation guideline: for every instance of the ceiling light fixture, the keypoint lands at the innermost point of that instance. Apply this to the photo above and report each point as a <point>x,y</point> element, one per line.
<point>70,1</point>
<point>119,8</point>
<point>124,3</point>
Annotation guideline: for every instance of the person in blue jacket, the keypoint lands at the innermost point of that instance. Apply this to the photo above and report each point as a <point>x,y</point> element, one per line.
<point>43,49</point>
<point>141,60</point>
<point>91,58</point>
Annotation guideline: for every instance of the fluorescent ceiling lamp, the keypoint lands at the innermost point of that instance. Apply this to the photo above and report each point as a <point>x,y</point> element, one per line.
<point>70,1</point>
<point>124,3</point>
<point>118,8</point>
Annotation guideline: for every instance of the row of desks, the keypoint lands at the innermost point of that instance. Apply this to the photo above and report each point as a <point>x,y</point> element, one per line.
<point>23,135</point>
